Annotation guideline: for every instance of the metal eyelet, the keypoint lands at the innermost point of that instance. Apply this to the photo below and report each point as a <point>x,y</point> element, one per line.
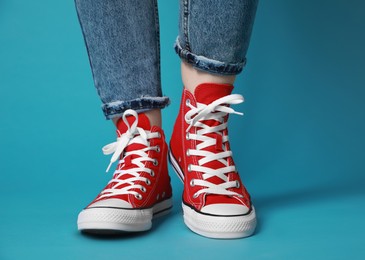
<point>188,152</point>
<point>163,194</point>
<point>155,162</point>
<point>138,196</point>
<point>192,184</point>
<point>187,137</point>
<point>158,148</point>
<point>189,168</point>
<point>143,189</point>
<point>187,102</point>
<point>148,182</point>
<point>238,184</point>
<point>152,173</point>
<point>195,195</point>
<point>158,196</point>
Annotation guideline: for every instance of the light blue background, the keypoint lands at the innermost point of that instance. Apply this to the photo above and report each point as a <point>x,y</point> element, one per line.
<point>299,147</point>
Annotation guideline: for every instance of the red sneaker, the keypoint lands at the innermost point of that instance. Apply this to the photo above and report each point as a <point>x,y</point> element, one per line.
<point>215,202</point>
<point>140,188</point>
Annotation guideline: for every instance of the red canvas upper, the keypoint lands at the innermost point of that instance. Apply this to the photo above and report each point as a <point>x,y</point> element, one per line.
<point>206,94</point>
<point>160,187</point>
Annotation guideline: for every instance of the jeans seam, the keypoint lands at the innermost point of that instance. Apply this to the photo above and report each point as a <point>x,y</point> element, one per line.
<point>158,46</point>
<point>186,23</point>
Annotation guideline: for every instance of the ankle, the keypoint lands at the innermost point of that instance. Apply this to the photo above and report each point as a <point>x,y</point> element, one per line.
<point>154,116</point>
<point>192,77</point>
<point>115,120</point>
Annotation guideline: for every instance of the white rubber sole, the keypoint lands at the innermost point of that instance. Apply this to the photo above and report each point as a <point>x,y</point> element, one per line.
<point>214,226</point>
<point>109,220</point>
<point>223,227</point>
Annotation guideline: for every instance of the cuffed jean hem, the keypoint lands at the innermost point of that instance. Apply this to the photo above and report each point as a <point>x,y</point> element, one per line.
<point>117,108</point>
<point>208,65</point>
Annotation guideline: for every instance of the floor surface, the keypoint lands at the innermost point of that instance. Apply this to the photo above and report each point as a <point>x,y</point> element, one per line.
<point>299,147</point>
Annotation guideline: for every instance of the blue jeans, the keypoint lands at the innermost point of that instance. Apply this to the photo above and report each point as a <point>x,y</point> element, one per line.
<point>122,40</point>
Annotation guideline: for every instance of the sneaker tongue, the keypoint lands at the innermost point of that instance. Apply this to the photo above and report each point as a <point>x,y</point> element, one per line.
<point>143,122</point>
<point>206,93</point>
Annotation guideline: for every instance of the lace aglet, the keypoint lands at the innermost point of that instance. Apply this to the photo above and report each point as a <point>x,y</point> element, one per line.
<point>110,164</point>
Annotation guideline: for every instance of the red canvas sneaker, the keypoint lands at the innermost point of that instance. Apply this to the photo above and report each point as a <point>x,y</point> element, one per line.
<point>215,202</point>
<point>140,188</point>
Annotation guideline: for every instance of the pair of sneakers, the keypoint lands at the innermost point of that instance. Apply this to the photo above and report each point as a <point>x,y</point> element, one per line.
<point>215,202</point>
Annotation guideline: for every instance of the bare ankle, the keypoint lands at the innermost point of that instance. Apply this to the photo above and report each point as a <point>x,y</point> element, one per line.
<point>115,119</point>
<point>192,77</point>
<point>154,116</point>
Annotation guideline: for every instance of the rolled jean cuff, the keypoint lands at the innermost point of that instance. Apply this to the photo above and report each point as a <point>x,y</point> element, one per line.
<point>117,108</point>
<point>208,65</point>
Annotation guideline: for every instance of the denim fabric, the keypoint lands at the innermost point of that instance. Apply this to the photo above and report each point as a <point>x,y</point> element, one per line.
<point>122,40</point>
<point>214,34</point>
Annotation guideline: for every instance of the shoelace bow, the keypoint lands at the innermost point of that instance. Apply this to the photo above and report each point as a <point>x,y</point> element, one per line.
<point>216,110</point>
<point>134,135</point>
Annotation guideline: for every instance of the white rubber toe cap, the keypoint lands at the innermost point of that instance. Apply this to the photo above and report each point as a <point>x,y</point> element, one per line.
<point>115,203</point>
<point>225,209</point>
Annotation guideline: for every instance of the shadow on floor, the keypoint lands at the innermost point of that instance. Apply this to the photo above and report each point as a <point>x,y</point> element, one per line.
<point>268,203</point>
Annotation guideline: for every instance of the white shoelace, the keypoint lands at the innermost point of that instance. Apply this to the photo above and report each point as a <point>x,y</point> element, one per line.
<point>134,135</point>
<point>216,110</point>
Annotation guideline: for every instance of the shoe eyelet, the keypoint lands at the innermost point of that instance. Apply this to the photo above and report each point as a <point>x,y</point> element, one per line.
<point>189,168</point>
<point>158,148</point>
<point>152,173</point>
<point>238,184</point>
<point>163,194</point>
<point>187,102</point>
<point>188,152</point>
<point>155,162</point>
<point>192,184</point>
<point>187,137</point>
<point>158,196</point>
<point>148,182</point>
<point>195,195</point>
<point>138,196</point>
<point>143,189</point>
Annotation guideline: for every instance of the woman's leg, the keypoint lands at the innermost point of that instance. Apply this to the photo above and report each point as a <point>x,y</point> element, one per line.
<point>214,36</point>
<point>122,40</point>
<point>212,43</point>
